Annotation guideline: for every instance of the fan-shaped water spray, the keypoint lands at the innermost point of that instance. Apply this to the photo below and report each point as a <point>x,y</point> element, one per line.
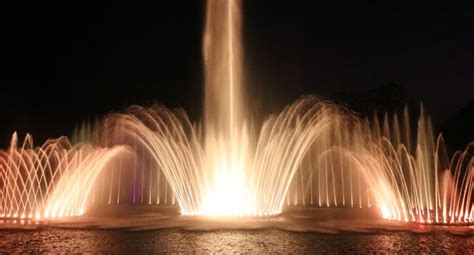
<point>408,179</point>
<point>196,166</point>
<point>50,181</point>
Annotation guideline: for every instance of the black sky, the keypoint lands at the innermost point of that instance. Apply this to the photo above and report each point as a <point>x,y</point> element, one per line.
<point>65,62</point>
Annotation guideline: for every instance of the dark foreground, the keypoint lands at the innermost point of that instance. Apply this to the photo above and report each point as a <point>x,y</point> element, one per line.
<point>296,231</point>
<point>227,241</point>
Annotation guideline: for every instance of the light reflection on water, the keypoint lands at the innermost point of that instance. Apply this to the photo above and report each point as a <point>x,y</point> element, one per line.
<point>225,241</point>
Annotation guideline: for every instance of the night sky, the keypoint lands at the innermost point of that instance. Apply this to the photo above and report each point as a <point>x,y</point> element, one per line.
<point>66,62</point>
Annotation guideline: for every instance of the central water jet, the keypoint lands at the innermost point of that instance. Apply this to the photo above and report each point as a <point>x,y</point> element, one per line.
<point>224,113</point>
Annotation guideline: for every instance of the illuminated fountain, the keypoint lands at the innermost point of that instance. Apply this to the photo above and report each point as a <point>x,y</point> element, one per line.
<point>202,178</point>
<point>51,181</point>
<point>313,153</point>
<point>222,167</point>
<point>379,164</point>
<point>416,183</point>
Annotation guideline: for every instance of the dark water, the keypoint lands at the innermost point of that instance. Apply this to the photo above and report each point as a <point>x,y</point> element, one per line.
<point>229,241</point>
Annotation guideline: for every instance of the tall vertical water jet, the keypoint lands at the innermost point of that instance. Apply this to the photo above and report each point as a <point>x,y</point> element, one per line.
<point>226,141</point>
<point>222,49</point>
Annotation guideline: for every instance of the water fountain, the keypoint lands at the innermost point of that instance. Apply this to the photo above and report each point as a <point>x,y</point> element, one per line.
<point>312,154</point>
<point>378,164</point>
<point>224,168</point>
<point>50,181</point>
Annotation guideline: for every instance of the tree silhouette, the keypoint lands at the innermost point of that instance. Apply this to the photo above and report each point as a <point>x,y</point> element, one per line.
<point>458,130</point>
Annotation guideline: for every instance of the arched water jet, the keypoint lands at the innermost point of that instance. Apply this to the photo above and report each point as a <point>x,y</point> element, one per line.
<point>50,181</point>
<point>200,178</point>
<point>407,182</point>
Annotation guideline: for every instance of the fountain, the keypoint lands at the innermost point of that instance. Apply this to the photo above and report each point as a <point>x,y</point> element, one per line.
<point>312,154</point>
<point>51,181</point>
<point>225,169</point>
<point>378,164</point>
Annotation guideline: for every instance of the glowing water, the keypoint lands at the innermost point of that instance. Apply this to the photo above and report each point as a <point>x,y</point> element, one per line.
<point>208,178</point>
<point>226,138</point>
<point>50,181</point>
<point>379,164</point>
<point>313,154</point>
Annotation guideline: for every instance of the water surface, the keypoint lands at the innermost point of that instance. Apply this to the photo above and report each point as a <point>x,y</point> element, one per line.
<point>226,241</point>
